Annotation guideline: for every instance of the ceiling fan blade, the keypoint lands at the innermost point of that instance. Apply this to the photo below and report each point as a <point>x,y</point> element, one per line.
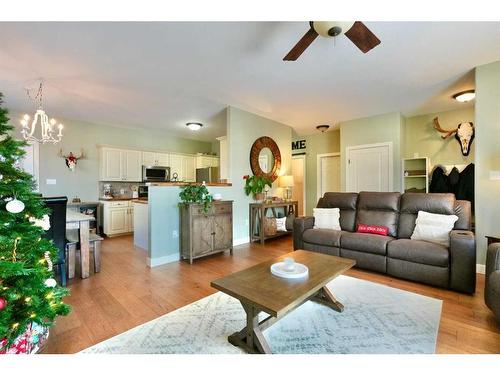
<point>362,37</point>
<point>301,46</point>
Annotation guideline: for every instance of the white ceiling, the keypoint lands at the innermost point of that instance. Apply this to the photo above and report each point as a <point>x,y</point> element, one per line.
<point>162,75</point>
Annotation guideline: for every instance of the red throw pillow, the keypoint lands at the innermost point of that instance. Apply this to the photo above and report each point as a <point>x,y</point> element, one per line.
<point>373,229</point>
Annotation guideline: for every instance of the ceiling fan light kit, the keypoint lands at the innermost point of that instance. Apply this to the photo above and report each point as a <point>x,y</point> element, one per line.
<point>356,32</point>
<point>465,96</point>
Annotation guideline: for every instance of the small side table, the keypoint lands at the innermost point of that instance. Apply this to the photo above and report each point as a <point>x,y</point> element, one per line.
<point>492,239</point>
<point>258,212</point>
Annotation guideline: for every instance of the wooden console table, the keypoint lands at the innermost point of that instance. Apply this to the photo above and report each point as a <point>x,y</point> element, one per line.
<point>259,210</point>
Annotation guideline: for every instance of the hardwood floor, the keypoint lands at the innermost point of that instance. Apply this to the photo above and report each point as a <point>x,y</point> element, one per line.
<point>127,293</point>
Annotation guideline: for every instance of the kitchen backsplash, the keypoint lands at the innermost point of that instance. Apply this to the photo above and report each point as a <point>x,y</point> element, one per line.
<point>119,189</point>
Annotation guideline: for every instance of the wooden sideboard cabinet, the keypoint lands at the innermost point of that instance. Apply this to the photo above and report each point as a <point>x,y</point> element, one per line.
<point>203,233</point>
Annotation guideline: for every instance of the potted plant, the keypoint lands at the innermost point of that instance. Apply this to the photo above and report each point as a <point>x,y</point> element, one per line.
<point>256,185</point>
<point>196,194</point>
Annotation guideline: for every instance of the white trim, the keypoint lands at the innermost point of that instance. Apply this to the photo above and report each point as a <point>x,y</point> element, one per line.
<point>154,262</point>
<point>318,171</point>
<point>389,145</point>
<point>480,268</point>
<point>304,173</point>
<point>241,241</point>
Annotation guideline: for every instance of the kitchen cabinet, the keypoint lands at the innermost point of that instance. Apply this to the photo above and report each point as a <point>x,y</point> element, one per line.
<point>204,161</point>
<point>184,166</point>
<point>155,159</point>
<point>208,233</point>
<point>120,165</point>
<point>118,217</point>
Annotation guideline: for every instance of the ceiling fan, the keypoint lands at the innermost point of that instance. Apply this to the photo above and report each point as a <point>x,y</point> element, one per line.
<point>357,32</point>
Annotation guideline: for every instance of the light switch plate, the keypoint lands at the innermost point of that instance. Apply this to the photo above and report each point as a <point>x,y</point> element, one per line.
<point>175,234</point>
<point>494,175</point>
<point>51,181</point>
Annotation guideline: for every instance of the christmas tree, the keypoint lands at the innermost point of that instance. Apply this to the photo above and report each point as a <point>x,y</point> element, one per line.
<point>28,292</point>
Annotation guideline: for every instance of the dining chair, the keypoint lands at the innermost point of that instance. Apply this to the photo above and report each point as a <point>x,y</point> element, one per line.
<point>57,232</point>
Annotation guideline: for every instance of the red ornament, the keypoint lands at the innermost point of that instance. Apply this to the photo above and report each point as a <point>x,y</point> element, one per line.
<point>3,303</point>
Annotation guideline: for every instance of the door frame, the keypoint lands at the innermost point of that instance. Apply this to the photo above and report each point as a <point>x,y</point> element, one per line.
<point>318,171</point>
<point>304,165</point>
<point>389,146</point>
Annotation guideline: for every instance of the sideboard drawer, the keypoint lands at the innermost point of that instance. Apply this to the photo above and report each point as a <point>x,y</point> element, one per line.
<point>222,209</point>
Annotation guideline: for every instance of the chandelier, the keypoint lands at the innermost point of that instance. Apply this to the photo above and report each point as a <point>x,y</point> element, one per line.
<point>40,117</point>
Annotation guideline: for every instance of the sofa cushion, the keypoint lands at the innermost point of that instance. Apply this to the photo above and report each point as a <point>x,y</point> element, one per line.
<point>347,204</point>
<point>422,252</point>
<point>328,237</point>
<point>411,203</point>
<point>376,208</point>
<point>368,243</point>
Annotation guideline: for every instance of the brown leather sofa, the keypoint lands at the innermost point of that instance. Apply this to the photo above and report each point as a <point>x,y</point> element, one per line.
<point>396,254</point>
<point>492,285</point>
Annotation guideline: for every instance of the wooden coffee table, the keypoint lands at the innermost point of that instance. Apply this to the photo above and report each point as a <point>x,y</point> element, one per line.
<point>259,290</point>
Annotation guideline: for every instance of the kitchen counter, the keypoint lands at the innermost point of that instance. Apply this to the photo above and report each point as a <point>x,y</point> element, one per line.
<point>188,183</point>
<point>141,201</point>
<point>115,199</point>
<point>82,203</point>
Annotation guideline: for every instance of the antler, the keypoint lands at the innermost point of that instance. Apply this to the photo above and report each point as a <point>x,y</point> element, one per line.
<point>82,155</point>
<point>438,127</point>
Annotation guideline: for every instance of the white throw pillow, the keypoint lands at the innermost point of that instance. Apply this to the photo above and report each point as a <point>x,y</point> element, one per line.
<point>326,218</point>
<point>434,227</point>
<point>281,224</point>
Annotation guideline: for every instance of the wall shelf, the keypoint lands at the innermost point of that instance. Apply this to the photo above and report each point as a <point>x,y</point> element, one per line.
<point>418,182</point>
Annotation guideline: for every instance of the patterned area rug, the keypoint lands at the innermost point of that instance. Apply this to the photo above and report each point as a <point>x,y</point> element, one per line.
<point>377,319</point>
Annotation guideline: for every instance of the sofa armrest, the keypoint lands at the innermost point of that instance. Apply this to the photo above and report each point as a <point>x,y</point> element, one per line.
<point>493,258</point>
<point>492,278</point>
<point>300,224</point>
<point>463,261</point>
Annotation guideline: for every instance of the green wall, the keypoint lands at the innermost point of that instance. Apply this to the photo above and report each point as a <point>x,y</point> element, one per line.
<point>243,128</point>
<point>487,154</point>
<point>421,137</point>
<point>321,143</point>
<point>376,129</point>
<point>83,182</point>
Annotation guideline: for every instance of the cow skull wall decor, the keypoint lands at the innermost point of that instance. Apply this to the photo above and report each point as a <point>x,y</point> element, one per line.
<point>464,134</point>
<point>71,159</point>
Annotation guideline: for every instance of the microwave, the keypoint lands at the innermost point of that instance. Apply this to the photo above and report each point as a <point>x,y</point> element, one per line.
<point>155,174</point>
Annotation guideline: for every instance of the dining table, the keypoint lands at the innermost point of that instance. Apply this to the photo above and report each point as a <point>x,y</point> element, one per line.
<point>77,220</point>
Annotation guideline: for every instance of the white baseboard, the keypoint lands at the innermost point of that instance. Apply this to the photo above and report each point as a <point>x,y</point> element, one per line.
<point>480,268</point>
<point>241,241</point>
<point>154,262</point>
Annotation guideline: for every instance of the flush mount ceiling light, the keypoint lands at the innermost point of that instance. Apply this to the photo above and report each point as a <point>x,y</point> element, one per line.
<point>465,96</point>
<point>194,126</point>
<point>322,128</point>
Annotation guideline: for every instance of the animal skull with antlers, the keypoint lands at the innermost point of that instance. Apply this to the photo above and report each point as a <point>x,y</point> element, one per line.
<point>464,134</point>
<point>71,159</point>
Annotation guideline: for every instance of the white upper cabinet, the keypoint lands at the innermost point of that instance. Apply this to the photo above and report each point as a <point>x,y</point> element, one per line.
<point>120,165</point>
<point>189,168</point>
<point>176,166</point>
<point>155,159</point>
<point>204,161</point>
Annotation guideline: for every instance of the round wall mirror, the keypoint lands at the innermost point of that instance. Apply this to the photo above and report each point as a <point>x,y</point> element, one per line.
<point>265,158</point>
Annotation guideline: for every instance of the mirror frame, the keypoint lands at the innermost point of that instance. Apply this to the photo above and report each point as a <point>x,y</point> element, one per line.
<point>257,147</point>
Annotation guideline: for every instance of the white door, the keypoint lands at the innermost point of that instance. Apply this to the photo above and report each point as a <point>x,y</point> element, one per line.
<point>148,158</point>
<point>132,166</point>
<point>163,160</point>
<point>30,161</point>
<point>328,173</point>
<point>369,168</point>
<point>111,165</point>
<point>299,174</point>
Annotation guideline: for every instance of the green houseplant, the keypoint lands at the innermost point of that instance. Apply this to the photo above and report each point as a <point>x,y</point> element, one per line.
<point>196,194</point>
<point>256,185</point>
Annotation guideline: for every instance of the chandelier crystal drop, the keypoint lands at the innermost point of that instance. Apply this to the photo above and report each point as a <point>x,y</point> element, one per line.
<point>47,127</point>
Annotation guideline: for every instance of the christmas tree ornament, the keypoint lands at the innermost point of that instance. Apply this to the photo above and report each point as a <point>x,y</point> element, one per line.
<point>15,206</point>
<point>3,303</point>
<point>50,283</point>
<point>49,261</point>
